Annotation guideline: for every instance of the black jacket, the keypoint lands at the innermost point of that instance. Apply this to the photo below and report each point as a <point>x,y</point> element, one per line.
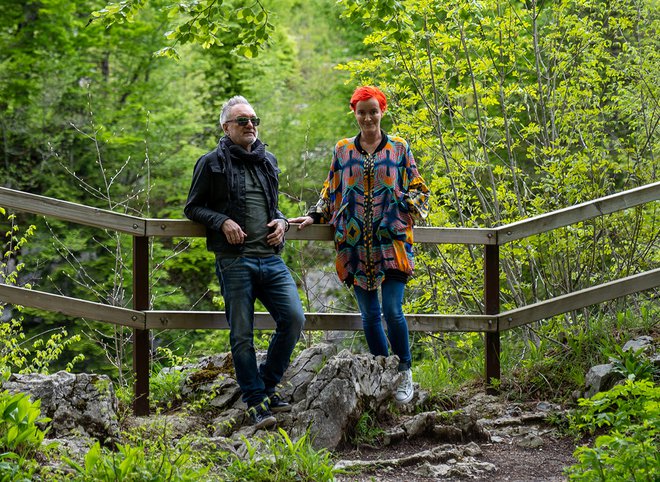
<point>211,201</point>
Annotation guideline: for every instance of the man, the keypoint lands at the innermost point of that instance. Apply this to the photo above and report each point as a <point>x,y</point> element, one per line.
<point>234,194</point>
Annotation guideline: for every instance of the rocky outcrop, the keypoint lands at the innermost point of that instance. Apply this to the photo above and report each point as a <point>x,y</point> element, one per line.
<point>78,404</point>
<point>330,393</point>
<point>346,387</point>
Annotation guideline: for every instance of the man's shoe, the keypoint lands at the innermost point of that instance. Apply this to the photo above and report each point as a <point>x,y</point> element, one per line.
<point>405,390</point>
<point>277,405</point>
<point>261,416</point>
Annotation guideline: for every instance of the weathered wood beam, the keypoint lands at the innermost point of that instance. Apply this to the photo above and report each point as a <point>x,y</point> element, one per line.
<point>71,306</point>
<point>216,320</point>
<point>579,299</point>
<point>324,232</point>
<point>578,213</point>
<point>68,211</point>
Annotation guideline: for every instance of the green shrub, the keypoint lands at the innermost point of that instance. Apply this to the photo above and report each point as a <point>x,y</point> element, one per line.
<point>278,459</point>
<point>20,437</point>
<point>166,380</point>
<point>12,469</point>
<point>367,432</point>
<point>141,463</point>
<point>630,416</point>
<point>633,363</point>
<point>19,416</point>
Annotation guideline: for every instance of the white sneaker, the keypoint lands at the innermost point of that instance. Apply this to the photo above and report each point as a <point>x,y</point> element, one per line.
<point>405,390</point>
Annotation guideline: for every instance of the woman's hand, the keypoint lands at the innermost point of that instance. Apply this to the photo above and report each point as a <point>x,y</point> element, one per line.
<point>302,221</point>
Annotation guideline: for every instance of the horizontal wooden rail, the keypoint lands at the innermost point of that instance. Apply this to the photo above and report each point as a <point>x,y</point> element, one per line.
<point>579,299</point>
<point>189,320</point>
<point>323,232</point>
<point>68,211</point>
<point>216,320</point>
<point>580,212</point>
<point>71,306</point>
<point>137,226</point>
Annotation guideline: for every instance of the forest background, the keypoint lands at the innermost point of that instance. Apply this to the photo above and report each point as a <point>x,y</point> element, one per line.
<point>512,110</point>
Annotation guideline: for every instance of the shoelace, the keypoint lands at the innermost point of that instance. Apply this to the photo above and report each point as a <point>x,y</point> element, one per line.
<point>405,385</point>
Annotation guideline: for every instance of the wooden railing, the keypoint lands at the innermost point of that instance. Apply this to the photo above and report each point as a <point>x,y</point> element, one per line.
<point>142,319</point>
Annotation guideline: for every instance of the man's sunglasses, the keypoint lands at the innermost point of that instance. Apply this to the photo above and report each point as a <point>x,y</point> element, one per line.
<point>243,121</point>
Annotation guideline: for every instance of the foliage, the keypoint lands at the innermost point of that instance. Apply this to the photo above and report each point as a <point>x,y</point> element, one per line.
<point>14,354</point>
<point>444,362</point>
<point>284,460</point>
<point>19,430</point>
<point>20,436</point>
<point>511,110</point>
<point>630,415</point>
<point>13,470</point>
<point>633,364</point>
<point>90,116</point>
<point>367,432</point>
<point>153,462</point>
<point>167,378</point>
<point>200,22</point>
<point>549,359</point>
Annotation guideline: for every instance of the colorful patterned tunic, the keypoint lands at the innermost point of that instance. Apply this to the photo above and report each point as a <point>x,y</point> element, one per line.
<point>372,200</point>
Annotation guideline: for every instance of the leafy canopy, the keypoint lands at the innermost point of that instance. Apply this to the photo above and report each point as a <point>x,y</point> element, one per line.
<point>200,22</point>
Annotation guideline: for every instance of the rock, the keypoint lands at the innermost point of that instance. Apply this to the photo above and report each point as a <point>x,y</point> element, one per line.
<point>330,392</point>
<point>600,378</point>
<point>228,422</point>
<point>442,461</point>
<point>420,424</point>
<point>346,387</point>
<point>303,370</point>
<point>641,343</point>
<point>530,441</point>
<point>227,393</point>
<point>78,404</point>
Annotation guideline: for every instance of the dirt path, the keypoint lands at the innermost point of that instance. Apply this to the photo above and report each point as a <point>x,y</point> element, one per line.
<point>512,463</point>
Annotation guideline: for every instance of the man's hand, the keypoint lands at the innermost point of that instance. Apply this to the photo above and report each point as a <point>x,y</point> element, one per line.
<point>233,232</point>
<point>303,220</point>
<point>278,228</point>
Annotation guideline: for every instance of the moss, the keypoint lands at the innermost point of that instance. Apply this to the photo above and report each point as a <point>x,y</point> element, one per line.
<point>204,376</point>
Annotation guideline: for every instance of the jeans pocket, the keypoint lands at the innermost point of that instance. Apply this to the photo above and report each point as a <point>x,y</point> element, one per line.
<point>224,264</point>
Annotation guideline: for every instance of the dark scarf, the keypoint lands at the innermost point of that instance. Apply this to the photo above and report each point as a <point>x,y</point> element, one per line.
<point>233,154</point>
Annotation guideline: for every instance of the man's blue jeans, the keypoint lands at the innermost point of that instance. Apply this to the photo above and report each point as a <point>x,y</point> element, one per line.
<point>397,326</point>
<point>244,280</point>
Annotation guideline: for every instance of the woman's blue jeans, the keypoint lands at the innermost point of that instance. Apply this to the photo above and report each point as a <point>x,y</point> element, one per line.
<point>397,326</point>
<point>243,281</point>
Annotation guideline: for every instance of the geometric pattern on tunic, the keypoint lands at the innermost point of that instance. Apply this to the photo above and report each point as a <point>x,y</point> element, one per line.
<point>372,201</point>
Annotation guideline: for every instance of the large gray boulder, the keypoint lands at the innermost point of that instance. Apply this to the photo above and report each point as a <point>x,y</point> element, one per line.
<point>303,370</point>
<point>79,404</point>
<point>346,387</point>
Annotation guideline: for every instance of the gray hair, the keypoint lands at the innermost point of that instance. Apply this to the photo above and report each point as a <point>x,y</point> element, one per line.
<point>236,100</point>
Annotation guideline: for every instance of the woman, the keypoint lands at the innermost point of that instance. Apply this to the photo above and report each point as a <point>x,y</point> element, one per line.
<point>371,196</point>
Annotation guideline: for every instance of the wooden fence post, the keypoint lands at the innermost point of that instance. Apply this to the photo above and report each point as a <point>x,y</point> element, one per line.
<point>141,342</point>
<point>492,302</point>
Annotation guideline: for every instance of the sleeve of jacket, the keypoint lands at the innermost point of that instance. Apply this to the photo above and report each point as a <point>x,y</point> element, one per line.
<point>321,212</point>
<point>201,190</point>
<point>273,160</point>
<point>417,193</point>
